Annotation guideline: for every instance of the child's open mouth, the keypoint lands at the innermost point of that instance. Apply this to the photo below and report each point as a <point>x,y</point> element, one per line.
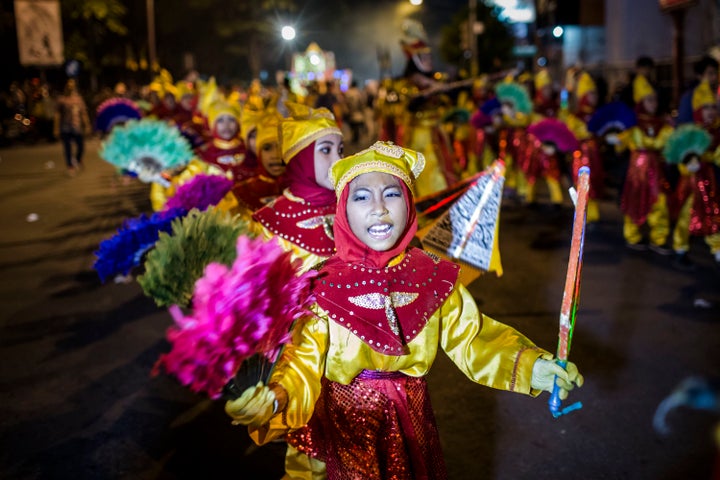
<point>381,231</point>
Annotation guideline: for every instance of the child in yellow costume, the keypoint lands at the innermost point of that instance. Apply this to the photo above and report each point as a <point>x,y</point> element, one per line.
<point>207,163</point>
<point>691,147</point>
<point>589,152</point>
<point>644,195</point>
<point>301,218</point>
<point>356,376</point>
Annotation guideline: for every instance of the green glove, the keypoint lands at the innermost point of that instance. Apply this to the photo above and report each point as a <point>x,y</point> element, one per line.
<point>255,406</point>
<point>545,371</point>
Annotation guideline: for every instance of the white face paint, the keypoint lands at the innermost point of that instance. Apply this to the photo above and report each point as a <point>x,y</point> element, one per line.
<point>693,165</point>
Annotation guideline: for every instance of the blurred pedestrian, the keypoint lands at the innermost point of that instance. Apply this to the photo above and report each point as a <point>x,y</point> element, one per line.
<point>72,123</point>
<point>355,103</point>
<point>706,70</point>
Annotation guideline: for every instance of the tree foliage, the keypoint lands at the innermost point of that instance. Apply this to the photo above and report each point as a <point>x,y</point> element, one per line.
<point>92,32</point>
<point>494,44</point>
<point>227,33</point>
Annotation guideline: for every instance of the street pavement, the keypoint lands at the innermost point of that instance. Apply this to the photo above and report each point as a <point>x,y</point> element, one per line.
<point>78,399</point>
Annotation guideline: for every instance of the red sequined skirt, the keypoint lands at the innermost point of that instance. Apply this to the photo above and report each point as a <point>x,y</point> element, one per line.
<point>379,427</point>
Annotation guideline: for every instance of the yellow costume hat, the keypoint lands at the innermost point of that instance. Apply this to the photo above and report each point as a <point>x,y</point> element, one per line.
<point>208,93</point>
<point>641,88</point>
<point>481,82</point>
<point>542,79</point>
<point>220,108</point>
<point>157,87</point>
<point>268,128</point>
<point>385,157</point>
<point>585,84</point>
<point>184,88</point>
<point>169,89</point>
<point>524,77</point>
<point>249,120</point>
<point>702,96</point>
<point>303,127</point>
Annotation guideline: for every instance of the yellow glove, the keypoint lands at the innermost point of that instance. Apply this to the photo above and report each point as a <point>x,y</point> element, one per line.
<point>545,371</point>
<point>255,406</point>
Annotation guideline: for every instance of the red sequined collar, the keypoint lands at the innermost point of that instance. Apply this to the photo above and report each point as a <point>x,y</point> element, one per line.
<point>305,225</point>
<point>386,308</point>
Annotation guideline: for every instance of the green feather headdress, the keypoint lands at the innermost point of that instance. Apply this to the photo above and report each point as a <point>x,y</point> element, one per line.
<point>686,140</point>
<point>515,94</point>
<point>180,258</point>
<point>147,148</point>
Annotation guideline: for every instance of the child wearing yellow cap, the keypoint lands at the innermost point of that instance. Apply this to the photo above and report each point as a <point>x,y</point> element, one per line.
<point>545,101</point>
<point>255,192</point>
<point>588,154</point>
<point>301,219</point>
<point>695,148</point>
<point>352,392</point>
<point>644,196</point>
<point>226,150</point>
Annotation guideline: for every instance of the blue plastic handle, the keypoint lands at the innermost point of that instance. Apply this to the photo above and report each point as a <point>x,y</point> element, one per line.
<point>555,403</point>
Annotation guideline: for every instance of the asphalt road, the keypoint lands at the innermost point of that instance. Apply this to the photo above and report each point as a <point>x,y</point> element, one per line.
<point>77,399</point>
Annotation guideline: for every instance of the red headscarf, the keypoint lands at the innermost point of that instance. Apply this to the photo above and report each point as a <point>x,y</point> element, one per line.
<point>300,175</point>
<point>351,250</point>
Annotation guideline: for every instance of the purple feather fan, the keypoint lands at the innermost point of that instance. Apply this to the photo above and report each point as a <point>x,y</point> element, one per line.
<point>201,192</point>
<point>554,131</point>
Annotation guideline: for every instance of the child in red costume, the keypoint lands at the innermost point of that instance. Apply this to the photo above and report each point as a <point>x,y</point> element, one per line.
<point>227,151</point>
<point>255,192</point>
<point>356,370</point>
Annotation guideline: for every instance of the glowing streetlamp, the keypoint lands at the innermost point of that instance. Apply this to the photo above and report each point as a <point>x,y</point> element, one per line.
<point>416,2</point>
<point>288,33</point>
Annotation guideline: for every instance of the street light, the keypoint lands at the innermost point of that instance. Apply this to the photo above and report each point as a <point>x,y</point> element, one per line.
<point>416,2</point>
<point>288,33</point>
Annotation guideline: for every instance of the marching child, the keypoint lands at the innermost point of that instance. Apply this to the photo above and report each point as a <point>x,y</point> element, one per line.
<point>357,371</point>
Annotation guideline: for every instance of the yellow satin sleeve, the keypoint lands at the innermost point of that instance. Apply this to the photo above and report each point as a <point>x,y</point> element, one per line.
<point>635,139</point>
<point>486,351</point>
<point>159,195</point>
<point>575,125</point>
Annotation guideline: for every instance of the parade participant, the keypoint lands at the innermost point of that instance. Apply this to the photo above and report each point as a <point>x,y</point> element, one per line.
<point>545,102</point>
<point>588,153</point>
<point>310,141</point>
<point>513,142</point>
<point>249,120</point>
<point>71,125</point>
<point>357,374</point>
<point>694,148</point>
<point>644,195</point>
<point>301,218</point>
<point>706,70</point>
<point>390,109</point>
<point>257,191</point>
<point>226,150</point>
<point>166,108</point>
<point>550,141</point>
<point>425,107</point>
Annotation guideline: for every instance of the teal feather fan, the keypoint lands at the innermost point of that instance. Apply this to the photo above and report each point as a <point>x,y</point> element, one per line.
<point>146,148</point>
<point>180,258</point>
<point>684,141</point>
<point>515,94</point>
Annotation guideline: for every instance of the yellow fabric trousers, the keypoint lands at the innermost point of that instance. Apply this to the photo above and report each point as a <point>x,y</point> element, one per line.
<point>299,466</point>
<point>593,211</point>
<point>658,220</point>
<point>554,188</point>
<point>681,232</point>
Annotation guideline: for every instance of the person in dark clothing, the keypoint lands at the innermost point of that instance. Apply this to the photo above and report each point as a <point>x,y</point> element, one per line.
<point>705,69</point>
<point>72,123</point>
